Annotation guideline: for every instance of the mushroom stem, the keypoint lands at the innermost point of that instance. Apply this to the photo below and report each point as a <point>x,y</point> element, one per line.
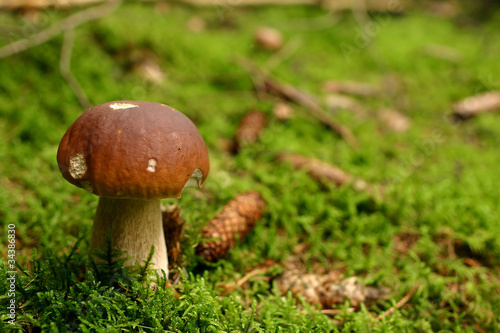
<point>134,225</point>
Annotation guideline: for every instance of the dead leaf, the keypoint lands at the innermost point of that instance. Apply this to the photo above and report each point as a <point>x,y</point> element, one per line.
<point>476,105</point>
<point>394,120</point>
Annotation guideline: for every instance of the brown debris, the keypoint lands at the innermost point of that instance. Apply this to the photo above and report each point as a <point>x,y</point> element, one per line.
<point>476,105</point>
<point>235,221</point>
<point>351,88</point>
<point>147,65</point>
<point>282,111</point>
<point>291,93</point>
<point>268,38</point>
<point>173,227</point>
<point>321,171</point>
<point>394,120</point>
<point>442,52</point>
<point>29,4</point>
<point>405,241</point>
<point>249,129</point>
<point>196,24</point>
<point>326,289</point>
<point>336,102</point>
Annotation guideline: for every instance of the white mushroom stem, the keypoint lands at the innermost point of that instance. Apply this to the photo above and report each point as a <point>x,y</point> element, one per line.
<point>134,225</point>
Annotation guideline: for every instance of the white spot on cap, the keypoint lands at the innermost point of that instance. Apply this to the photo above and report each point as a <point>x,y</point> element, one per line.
<point>151,165</point>
<point>118,106</point>
<point>77,166</point>
<point>195,179</point>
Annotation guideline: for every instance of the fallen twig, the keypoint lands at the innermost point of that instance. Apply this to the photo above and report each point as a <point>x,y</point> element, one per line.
<point>399,304</point>
<point>65,68</point>
<point>30,4</point>
<point>59,27</point>
<point>351,88</point>
<point>321,171</point>
<point>264,81</point>
<point>335,102</point>
<point>332,5</point>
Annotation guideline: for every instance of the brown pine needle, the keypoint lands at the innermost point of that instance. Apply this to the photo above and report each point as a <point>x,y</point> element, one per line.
<point>333,312</point>
<point>399,304</point>
<point>249,129</point>
<point>251,274</point>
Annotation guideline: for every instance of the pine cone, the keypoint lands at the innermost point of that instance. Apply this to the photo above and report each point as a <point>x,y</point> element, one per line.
<point>173,227</point>
<point>235,221</point>
<point>249,129</point>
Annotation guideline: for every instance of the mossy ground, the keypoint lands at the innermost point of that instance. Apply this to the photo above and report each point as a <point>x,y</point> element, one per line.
<point>440,178</point>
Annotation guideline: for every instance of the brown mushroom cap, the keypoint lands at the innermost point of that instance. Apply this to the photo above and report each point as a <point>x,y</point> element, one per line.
<point>132,149</point>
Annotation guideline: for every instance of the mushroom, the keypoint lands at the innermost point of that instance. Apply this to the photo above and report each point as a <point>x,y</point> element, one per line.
<point>131,154</point>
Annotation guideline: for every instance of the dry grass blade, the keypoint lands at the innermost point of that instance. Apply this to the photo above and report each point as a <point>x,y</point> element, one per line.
<point>476,105</point>
<point>249,129</point>
<point>238,284</point>
<point>235,221</point>
<point>402,302</point>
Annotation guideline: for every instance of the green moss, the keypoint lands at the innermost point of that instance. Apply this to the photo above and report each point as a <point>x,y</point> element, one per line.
<point>439,178</point>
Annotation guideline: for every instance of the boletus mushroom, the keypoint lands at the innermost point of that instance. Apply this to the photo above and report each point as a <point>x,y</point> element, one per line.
<point>131,154</point>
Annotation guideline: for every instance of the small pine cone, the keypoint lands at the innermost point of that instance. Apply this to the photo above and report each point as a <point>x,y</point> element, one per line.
<point>173,227</point>
<point>236,220</point>
<point>249,129</point>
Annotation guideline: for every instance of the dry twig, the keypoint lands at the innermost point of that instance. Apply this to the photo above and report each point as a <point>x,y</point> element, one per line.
<point>351,88</point>
<point>65,68</point>
<point>321,171</point>
<point>59,27</point>
<point>235,221</point>
<point>265,82</point>
<point>35,4</point>
<point>332,5</point>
